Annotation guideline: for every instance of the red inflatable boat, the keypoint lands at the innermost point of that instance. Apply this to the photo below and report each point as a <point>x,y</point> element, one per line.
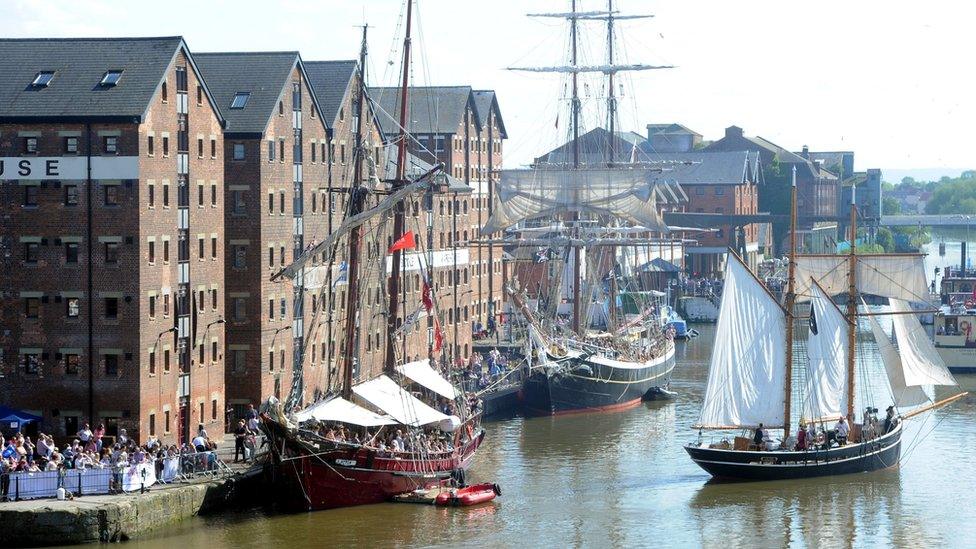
<point>469,495</point>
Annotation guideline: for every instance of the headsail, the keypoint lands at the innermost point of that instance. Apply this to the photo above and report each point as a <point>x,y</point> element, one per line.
<point>893,276</point>
<point>626,193</point>
<point>827,348</point>
<point>746,380</point>
<point>915,366</point>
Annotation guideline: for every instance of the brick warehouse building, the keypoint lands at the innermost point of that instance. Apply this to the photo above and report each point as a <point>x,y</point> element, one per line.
<point>275,163</point>
<point>449,127</point>
<point>112,236</point>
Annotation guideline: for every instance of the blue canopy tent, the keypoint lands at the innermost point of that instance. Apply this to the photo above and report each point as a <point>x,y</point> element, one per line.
<point>14,420</point>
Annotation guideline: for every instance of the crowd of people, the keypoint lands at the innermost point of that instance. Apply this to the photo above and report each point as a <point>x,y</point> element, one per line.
<point>389,443</point>
<point>700,286</point>
<point>93,449</point>
<point>810,437</point>
<point>482,369</point>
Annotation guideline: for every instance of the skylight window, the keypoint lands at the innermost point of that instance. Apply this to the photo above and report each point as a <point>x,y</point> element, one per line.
<point>42,79</point>
<point>111,78</point>
<point>240,100</point>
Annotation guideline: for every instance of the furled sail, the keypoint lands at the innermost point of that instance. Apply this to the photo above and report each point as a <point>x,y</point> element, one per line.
<point>827,348</point>
<point>626,193</point>
<point>747,376</point>
<point>894,276</point>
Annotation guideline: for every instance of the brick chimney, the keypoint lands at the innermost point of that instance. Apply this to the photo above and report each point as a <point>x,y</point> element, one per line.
<point>806,152</point>
<point>733,131</point>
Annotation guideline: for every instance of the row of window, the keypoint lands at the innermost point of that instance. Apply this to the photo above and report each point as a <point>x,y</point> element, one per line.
<point>33,362</point>
<point>71,306</point>
<point>32,252</point>
<point>161,303</point>
<point>69,145</point>
<point>167,418</point>
<point>110,195</point>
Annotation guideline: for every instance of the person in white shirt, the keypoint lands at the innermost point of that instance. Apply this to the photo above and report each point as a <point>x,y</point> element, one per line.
<point>842,430</point>
<point>200,443</point>
<point>85,434</point>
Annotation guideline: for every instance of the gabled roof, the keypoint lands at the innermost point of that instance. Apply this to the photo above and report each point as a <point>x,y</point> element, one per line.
<point>672,128</point>
<point>594,147</point>
<point>708,168</point>
<point>417,167</point>
<point>79,65</point>
<point>430,109</point>
<point>266,76</point>
<point>485,101</point>
<point>331,81</point>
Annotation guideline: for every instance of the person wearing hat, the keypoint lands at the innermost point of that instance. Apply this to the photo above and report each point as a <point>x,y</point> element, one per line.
<point>801,436</point>
<point>889,420</point>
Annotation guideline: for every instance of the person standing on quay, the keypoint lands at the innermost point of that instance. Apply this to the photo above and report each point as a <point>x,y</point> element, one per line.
<point>240,433</point>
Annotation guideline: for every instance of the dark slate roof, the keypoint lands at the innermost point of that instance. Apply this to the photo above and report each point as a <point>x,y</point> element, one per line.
<point>484,101</point>
<point>431,109</point>
<point>330,81</point>
<point>79,65</point>
<point>708,168</point>
<point>417,167</point>
<point>594,147</point>
<point>672,128</point>
<point>262,74</point>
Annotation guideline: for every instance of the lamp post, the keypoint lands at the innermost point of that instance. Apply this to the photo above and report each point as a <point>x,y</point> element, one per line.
<point>203,341</point>
<point>159,396</point>
<point>276,332</point>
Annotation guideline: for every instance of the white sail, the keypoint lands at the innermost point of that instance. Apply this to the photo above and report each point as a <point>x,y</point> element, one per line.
<point>830,271</point>
<point>827,348</point>
<point>905,396</point>
<point>920,361</point>
<point>747,376</point>
<point>625,193</point>
<point>892,276</point>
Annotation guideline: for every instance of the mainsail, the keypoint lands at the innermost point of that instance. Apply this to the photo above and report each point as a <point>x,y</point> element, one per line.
<point>748,363</point>
<point>827,348</point>
<point>625,193</point>
<point>893,276</point>
<point>915,366</point>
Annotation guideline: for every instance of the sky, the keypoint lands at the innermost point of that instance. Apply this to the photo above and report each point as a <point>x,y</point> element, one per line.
<point>890,80</point>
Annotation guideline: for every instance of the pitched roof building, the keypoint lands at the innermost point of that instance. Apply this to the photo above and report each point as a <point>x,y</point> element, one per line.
<point>277,163</point>
<point>117,283</point>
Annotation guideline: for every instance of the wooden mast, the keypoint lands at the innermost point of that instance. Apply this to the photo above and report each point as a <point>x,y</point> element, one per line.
<point>852,308</point>
<point>357,197</point>
<point>573,22</point>
<point>789,305</point>
<point>398,221</point>
<point>611,115</point>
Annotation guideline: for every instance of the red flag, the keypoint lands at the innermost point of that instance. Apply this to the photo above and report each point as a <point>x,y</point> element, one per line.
<point>405,242</point>
<point>425,296</point>
<point>438,336</point>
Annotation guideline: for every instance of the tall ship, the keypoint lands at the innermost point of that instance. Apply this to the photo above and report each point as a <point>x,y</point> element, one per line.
<point>407,428</point>
<point>586,217</point>
<point>757,374</point>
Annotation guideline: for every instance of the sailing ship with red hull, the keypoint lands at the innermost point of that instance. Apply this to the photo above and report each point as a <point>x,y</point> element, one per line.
<point>417,429</point>
<point>308,479</point>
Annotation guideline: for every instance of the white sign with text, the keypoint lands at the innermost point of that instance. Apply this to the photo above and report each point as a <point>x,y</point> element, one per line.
<point>35,168</point>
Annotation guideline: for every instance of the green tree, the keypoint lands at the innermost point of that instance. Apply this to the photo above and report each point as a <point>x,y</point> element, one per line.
<point>885,239</point>
<point>953,196</point>
<point>890,206</point>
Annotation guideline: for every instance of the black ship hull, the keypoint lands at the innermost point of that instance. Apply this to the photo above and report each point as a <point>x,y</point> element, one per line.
<point>874,455</point>
<point>592,384</point>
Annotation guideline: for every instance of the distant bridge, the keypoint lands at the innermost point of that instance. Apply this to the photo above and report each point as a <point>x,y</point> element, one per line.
<point>947,220</point>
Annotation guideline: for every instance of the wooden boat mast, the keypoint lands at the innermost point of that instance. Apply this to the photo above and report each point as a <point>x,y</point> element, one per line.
<point>789,306</point>
<point>573,22</point>
<point>852,307</point>
<point>357,199</point>
<point>398,217</point>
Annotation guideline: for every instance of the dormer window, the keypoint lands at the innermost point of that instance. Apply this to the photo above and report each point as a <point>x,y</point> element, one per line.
<point>240,100</point>
<point>111,78</point>
<point>42,79</point>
